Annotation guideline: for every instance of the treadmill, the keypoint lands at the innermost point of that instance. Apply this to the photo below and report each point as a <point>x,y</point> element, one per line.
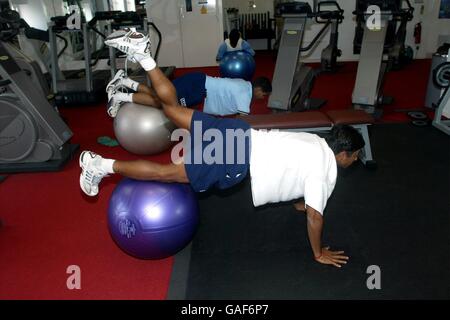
<point>79,87</point>
<point>130,19</point>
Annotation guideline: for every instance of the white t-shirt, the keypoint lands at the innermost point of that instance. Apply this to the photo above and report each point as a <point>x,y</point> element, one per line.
<point>230,48</point>
<point>289,165</point>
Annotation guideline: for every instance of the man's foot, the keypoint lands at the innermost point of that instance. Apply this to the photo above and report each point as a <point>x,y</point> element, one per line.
<point>135,44</point>
<point>116,80</point>
<point>118,33</point>
<point>113,105</point>
<point>91,174</point>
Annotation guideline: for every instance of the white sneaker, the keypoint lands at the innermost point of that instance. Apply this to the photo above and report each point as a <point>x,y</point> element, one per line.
<point>113,105</point>
<point>91,175</point>
<point>135,44</point>
<point>116,80</point>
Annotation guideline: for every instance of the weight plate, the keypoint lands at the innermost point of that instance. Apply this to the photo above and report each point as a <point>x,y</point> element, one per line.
<point>417,115</point>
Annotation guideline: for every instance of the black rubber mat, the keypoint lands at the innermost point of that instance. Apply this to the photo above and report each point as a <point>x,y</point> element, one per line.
<point>396,218</point>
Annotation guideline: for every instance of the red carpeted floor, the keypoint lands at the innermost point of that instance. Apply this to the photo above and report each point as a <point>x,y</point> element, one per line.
<point>49,224</point>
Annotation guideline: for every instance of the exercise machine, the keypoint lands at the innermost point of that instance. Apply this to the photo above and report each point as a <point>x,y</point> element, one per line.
<point>441,78</point>
<point>119,20</point>
<point>371,43</point>
<point>79,87</point>
<point>331,19</point>
<point>293,80</point>
<point>33,137</point>
<point>434,92</point>
<point>11,25</point>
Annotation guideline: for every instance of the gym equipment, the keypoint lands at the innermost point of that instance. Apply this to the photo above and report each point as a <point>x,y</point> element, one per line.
<point>12,25</point>
<point>237,64</point>
<point>372,44</point>
<point>152,220</point>
<point>416,115</point>
<point>435,86</point>
<point>437,82</point>
<point>420,123</point>
<point>442,80</point>
<point>434,92</point>
<point>292,80</point>
<point>318,122</point>
<point>33,137</point>
<point>441,75</point>
<point>119,20</point>
<point>332,18</point>
<point>80,87</point>
<point>142,129</point>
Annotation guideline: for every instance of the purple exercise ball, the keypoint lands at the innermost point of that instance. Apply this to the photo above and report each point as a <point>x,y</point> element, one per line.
<point>152,220</point>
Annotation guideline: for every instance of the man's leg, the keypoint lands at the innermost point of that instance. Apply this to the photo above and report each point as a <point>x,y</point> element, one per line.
<point>147,170</point>
<point>138,49</point>
<point>142,88</point>
<point>146,99</point>
<point>163,94</point>
<point>95,168</point>
<point>179,115</point>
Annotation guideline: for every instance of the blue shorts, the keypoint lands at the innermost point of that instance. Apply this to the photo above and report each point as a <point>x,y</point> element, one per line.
<point>191,90</point>
<point>221,174</point>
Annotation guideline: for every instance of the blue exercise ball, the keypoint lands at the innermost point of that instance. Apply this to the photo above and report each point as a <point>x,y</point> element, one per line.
<point>237,64</point>
<point>152,220</point>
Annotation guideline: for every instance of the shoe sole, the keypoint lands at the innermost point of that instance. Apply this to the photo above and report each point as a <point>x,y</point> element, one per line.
<point>116,77</point>
<point>117,37</point>
<point>85,191</point>
<point>80,159</point>
<point>81,176</point>
<point>109,113</point>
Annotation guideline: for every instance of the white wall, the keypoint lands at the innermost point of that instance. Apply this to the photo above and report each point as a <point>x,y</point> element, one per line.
<point>123,5</point>
<point>165,15</point>
<point>190,37</point>
<point>432,28</point>
<point>38,13</point>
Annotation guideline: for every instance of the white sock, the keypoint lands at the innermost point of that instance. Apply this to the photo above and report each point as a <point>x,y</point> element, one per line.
<point>130,83</point>
<point>123,97</point>
<point>107,165</point>
<point>148,63</point>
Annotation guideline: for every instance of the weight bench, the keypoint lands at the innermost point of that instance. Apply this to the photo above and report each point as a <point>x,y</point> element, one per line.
<point>317,121</point>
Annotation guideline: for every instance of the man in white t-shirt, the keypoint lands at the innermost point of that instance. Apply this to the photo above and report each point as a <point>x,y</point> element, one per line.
<point>283,166</point>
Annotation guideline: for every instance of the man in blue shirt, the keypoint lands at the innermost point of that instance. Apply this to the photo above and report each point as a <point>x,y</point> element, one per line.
<point>222,96</point>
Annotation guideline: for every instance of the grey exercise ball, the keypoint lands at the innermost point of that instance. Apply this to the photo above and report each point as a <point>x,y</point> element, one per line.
<point>142,130</point>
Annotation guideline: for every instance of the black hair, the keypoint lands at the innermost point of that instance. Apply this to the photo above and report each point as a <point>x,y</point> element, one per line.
<point>345,138</point>
<point>263,83</point>
<point>234,37</point>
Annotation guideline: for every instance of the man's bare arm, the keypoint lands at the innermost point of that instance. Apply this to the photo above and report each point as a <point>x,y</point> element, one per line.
<point>321,255</point>
<point>315,226</point>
